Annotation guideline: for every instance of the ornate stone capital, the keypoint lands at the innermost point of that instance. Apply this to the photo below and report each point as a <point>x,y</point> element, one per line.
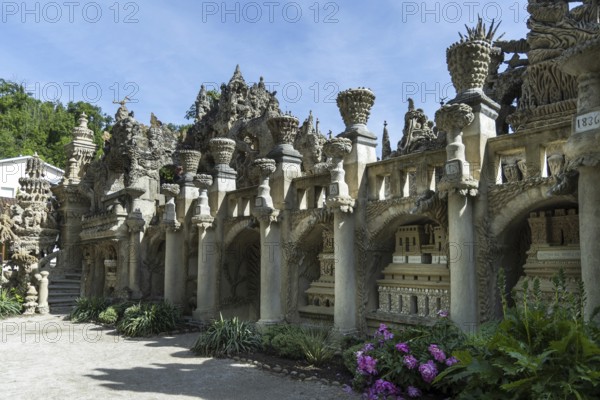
<point>344,204</point>
<point>203,181</point>
<point>170,225</point>
<point>190,159</point>
<point>453,118</point>
<point>355,105</point>
<point>222,150</point>
<point>283,128</point>
<point>264,167</point>
<point>337,148</point>
<point>468,187</point>
<point>203,222</point>
<point>170,190</point>
<point>266,214</point>
<point>135,221</point>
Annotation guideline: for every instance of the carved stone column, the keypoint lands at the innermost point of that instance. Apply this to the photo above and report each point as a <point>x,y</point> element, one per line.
<point>345,310</point>
<point>136,223</point>
<point>206,286</point>
<point>460,189</point>
<point>583,148</point>
<point>355,107</point>
<point>175,276</point>
<point>288,160</point>
<point>271,304</point>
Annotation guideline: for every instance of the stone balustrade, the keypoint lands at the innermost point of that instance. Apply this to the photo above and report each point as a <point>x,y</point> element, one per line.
<point>515,158</point>
<point>405,176</point>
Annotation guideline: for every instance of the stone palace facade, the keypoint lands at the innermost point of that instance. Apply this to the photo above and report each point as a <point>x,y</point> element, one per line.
<point>256,215</point>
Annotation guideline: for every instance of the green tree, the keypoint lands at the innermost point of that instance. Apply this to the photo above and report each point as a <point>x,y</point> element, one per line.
<point>29,125</point>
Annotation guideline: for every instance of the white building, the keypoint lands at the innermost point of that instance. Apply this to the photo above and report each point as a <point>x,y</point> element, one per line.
<point>11,169</point>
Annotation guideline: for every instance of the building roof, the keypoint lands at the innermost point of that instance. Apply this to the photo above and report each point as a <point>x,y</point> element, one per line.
<point>24,158</point>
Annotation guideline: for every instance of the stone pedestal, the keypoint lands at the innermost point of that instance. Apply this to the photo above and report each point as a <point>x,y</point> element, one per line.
<point>583,147</point>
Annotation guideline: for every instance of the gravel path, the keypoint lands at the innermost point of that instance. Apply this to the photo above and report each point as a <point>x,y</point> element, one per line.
<point>50,358</point>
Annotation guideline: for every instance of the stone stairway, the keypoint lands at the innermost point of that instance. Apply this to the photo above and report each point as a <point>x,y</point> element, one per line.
<point>63,291</point>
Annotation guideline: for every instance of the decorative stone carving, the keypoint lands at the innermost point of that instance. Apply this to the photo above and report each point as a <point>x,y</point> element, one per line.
<point>554,246</point>
<point>203,182</point>
<point>110,276</point>
<point>33,217</point>
<point>79,152</point>
<point>418,133</point>
<point>222,151</point>
<point>30,304</point>
<point>337,149</point>
<point>309,142</point>
<point>264,168</point>
<point>189,160</point>
<point>284,129</point>
<point>355,105</point>
<point>321,293</point>
<point>469,59</point>
<point>417,282</point>
<point>169,221</point>
<point>42,306</point>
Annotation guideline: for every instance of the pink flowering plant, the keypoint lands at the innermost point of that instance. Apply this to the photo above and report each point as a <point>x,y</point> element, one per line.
<point>403,364</point>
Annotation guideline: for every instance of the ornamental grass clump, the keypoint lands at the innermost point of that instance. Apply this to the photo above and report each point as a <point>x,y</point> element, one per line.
<point>227,337</point>
<point>403,363</point>
<point>88,309</point>
<point>9,305</point>
<point>145,319</point>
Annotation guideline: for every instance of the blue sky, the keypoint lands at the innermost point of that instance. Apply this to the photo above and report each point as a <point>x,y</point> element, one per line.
<point>160,52</point>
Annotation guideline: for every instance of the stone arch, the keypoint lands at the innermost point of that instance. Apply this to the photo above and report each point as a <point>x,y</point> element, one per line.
<point>380,217</point>
<point>505,239</point>
<point>303,224</point>
<point>233,231</point>
<point>517,206</point>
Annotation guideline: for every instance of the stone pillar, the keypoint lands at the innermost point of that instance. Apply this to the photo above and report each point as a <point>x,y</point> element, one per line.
<point>175,277</point>
<point>284,129</point>
<point>355,108</point>
<point>206,286</point>
<point>136,223</point>
<point>271,305</point>
<point>583,148</point>
<point>43,307</point>
<point>460,188</point>
<point>344,310</point>
<point>225,177</point>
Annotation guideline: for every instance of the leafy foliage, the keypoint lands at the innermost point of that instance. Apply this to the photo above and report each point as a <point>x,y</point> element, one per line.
<point>227,337</point>
<point>9,305</point>
<point>317,344</point>
<point>109,316</point>
<point>28,125</point>
<point>539,350</point>
<point>88,309</point>
<point>314,344</point>
<point>145,319</point>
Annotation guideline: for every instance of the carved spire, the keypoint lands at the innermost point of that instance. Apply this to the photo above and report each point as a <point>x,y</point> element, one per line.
<point>386,150</point>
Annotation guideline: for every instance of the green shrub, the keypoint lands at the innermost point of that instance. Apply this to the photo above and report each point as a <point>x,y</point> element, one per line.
<point>317,344</point>
<point>286,343</point>
<point>109,316</point>
<point>227,337</point>
<point>538,351</point>
<point>88,309</point>
<point>9,305</point>
<point>145,319</point>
